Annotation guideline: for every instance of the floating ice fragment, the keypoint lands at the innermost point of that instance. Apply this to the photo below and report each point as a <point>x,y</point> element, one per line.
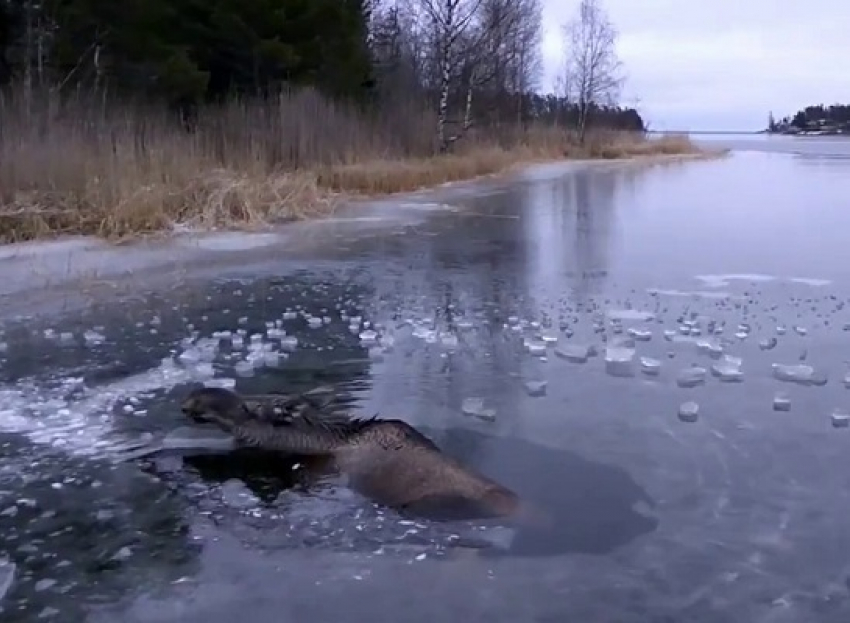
<point>629,314</point>
<point>649,366</point>
<point>368,336</point>
<point>93,337</point>
<point>471,406</point>
<point>289,342</point>
<point>271,358</point>
<point>449,340</point>
<point>46,583</point>
<point>535,347</point>
<point>768,343</point>
<point>800,330</point>
<point>314,322</point>
<point>727,372</point>
<point>236,495</point>
<point>781,329</point>
<point>710,348</point>
<point>619,361</point>
<point>475,407</point>
<point>691,377</point>
<point>642,335</point>
<point>7,575</point>
<point>796,373</point>
<point>781,402</point>
<point>488,415</point>
<point>244,368</point>
<point>840,418</point>
<point>574,353</point>
<point>549,338</point>
<point>689,411</point>
<point>535,388</point>
<point>226,383</point>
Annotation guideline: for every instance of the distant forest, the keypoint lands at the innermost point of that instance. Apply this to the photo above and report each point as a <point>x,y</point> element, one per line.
<point>818,119</point>
<point>187,53</point>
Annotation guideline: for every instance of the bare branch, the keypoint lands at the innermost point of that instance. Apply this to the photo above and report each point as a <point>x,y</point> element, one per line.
<point>593,69</point>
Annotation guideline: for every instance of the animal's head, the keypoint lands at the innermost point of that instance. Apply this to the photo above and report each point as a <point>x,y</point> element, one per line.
<point>214,404</point>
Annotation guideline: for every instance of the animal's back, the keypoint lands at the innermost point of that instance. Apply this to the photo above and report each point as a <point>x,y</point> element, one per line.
<point>393,463</point>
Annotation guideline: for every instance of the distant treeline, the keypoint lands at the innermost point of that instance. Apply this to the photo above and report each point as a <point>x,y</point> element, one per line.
<point>191,52</point>
<point>834,118</point>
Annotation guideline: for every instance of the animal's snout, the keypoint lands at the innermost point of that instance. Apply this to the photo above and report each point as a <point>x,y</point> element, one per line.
<point>190,408</point>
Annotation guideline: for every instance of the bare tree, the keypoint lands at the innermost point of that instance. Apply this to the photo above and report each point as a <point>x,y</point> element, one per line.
<point>450,20</point>
<point>593,70</point>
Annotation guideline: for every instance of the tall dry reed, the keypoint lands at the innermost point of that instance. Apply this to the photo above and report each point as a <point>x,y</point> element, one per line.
<point>86,165</point>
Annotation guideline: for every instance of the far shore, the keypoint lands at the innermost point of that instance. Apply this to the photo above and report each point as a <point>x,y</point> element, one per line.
<point>78,168</point>
<point>42,275</point>
<point>317,193</point>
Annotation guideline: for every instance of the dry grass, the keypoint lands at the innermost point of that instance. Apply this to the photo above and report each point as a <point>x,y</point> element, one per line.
<point>85,167</point>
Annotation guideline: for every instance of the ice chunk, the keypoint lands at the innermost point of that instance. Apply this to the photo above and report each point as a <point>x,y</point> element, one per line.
<point>471,406</point>
<point>840,418</point>
<point>800,330</point>
<point>619,361</point>
<point>93,337</point>
<point>271,358</point>
<point>244,368</point>
<point>549,338</point>
<point>689,411</point>
<point>475,407</point>
<point>795,373</point>
<point>7,576</point>
<point>728,370</point>
<point>574,353</point>
<point>449,340</point>
<point>226,383</point>
<point>236,495</point>
<point>289,342</point>
<point>649,366</point>
<point>768,343</point>
<point>44,584</point>
<point>781,402</point>
<point>642,335</point>
<point>368,336</point>
<point>691,377</point>
<point>710,348</point>
<point>535,347</point>
<point>488,415</point>
<point>535,388</point>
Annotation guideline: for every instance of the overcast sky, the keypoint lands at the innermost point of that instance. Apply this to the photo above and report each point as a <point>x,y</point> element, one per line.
<point>720,64</point>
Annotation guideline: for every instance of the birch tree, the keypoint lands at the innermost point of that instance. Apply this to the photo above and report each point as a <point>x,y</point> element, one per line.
<point>450,20</point>
<point>593,69</point>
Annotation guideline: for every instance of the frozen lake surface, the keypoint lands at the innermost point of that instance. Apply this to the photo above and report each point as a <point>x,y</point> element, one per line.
<point>658,355</point>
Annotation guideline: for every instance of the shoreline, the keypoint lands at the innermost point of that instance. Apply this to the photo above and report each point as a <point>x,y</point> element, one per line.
<point>77,270</point>
<point>141,201</point>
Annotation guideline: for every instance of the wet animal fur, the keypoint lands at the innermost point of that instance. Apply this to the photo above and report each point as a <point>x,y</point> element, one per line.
<point>387,460</point>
